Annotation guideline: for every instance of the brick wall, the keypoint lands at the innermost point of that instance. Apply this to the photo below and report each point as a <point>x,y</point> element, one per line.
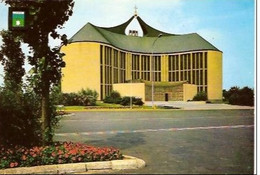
<point>175,93</point>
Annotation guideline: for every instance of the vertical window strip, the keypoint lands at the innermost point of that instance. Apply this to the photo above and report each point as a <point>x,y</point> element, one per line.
<point>206,59</point>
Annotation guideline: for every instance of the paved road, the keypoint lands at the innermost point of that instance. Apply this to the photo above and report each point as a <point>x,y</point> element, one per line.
<point>197,105</point>
<point>217,141</point>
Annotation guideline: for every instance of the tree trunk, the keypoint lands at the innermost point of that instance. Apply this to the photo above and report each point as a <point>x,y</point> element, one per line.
<point>45,115</point>
<point>45,103</point>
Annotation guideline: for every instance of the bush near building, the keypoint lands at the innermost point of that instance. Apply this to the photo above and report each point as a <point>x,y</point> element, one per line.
<point>85,97</point>
<point>114,97</point>
<point>135,101</point>
<point>200,96</point>
<point>237,96</point>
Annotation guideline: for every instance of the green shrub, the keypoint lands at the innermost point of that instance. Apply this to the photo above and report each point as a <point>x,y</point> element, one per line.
<point>125,101</point>
<point>200,96</point>
<point>56,95</point>
<point>108,99</point>
<point>135,101</point>
<point>70,99</point>
<point>237,96</point>
<point>88,97</point>
<point>114,97</point>
<point>19,118</point>
<point>138,101</point>
<point>84,97</point>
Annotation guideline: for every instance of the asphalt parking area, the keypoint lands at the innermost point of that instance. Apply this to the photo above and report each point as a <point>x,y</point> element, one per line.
<point>171,142</point>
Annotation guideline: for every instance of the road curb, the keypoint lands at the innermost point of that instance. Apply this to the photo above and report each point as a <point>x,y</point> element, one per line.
<point>128,162</point>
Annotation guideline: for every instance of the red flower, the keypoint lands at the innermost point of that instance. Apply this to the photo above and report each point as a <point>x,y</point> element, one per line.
<point>73,152</point>
<point>60,152</point>
<point>24,157</point>
<point>82,152</point>
<point>13,164</point>
<point>66,155</point>
<point>60,161</point>
<point>53,154</point>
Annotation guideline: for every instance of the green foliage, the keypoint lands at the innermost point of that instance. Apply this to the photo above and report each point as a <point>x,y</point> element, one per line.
<point>115,94</point>
<point>237,96</point>
<point>43,20</point>
<point>12,59</point>
<point>84,97</point>
<point>200,96</point>
<point>70,99</point>
<point>88,97</point>
<point>19,118</point>
<point>56,95</point>
<point>114,97</point>
<point>138,102</point>
<point>135,101</point>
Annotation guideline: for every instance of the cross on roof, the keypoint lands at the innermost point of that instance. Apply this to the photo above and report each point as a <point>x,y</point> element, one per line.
<point>135,10</point>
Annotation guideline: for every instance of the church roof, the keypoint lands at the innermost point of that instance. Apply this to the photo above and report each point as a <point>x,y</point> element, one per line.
<point>115,36</point>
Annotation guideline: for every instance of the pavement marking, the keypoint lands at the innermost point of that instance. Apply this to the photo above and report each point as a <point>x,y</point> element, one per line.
<point>143,119</point>
<point>152,130</point>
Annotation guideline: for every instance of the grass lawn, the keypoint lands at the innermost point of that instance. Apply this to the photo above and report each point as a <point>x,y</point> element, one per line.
<point>107,106</point>
<point>74,108</point>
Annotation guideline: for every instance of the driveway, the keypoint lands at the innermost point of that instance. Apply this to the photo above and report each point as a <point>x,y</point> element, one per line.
<point>176,142</point>
<point>199,105</point>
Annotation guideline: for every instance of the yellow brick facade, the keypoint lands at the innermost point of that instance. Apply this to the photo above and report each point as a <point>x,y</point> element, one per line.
<point>130,89</point>
<point>214,75</point>
<point>189,91</point>
<point>82,67</point>
<point>103,68</point>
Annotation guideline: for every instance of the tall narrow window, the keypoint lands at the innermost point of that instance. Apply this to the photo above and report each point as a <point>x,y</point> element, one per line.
<point>193,77</point>
<point>189,77</point>
<point>197,60</point>
<point>201,77</point>
<point>177,62</point>
<point>206,59</point>
<point>185,62</point>
<point>197,77</point>
<point>206,77</point>
<point>189,61</point>
<point>181,62</point>
<point>181,75</point>
<point>201,61</point>
<point>135,67</point>
<point>193,60</point>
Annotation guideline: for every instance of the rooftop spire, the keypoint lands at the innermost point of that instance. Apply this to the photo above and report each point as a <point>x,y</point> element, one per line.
<point>135,10</point>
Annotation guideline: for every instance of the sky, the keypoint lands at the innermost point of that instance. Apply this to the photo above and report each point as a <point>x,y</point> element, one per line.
<point>227,24</point>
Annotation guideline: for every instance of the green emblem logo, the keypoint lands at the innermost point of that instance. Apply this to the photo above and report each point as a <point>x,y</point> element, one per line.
<point>18,19</point>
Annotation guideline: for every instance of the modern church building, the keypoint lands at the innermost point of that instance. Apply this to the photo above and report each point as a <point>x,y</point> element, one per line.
<point>169,66</point>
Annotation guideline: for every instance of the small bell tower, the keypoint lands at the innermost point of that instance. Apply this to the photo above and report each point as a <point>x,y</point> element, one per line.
<point>134,28</point>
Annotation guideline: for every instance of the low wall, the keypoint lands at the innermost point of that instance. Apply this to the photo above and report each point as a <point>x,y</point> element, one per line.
<point>189,91</point>
<point>130,89</point>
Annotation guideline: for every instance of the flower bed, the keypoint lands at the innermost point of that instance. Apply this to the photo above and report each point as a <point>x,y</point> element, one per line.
<point>59,153</point>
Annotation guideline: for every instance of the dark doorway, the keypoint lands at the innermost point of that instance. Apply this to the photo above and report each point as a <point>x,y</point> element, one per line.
<point>166,97</point>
